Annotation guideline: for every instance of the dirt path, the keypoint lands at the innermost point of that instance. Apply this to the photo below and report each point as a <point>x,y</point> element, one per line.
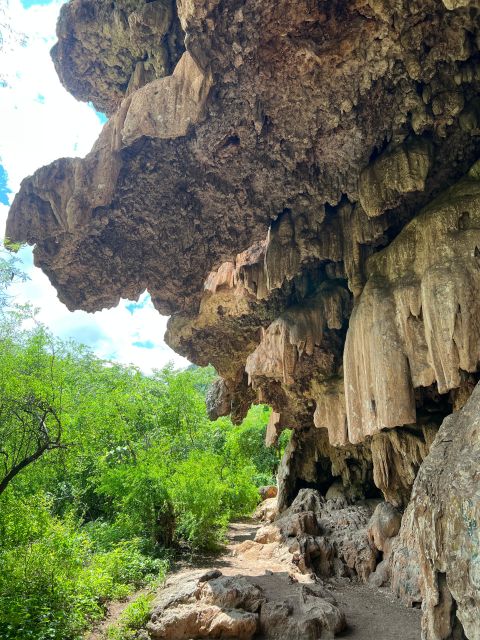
<point>371,614</point>
<point>114,611</point>
<point>376,615</point>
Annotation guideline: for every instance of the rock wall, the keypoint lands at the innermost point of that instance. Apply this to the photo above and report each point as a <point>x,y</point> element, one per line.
<point>297,185</point>
<point>446,526</point>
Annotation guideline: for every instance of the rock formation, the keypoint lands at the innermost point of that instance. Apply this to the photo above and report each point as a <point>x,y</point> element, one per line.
<point>328,537</point>
<point>297,184</point>
<point>446,526</point>
<point>210,605</point>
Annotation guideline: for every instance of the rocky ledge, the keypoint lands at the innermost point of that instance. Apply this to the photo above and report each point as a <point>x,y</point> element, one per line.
<point>297,185</point>
<point>211,605</point>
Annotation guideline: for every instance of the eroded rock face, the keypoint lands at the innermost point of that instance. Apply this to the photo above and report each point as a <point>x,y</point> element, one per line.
<point>430,316</point>
<point>297,184</point>
<point>328,537</point>
<point>210,605</point>
<point>446,525</point>
<point>105,48</point>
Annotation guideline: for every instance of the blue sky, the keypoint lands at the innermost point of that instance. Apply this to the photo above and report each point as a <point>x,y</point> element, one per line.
<point>39,122</point>
<point>30,3</point>
<point>5,190</point>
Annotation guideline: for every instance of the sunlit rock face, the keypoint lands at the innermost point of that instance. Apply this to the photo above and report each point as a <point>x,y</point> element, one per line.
<point>417,321</point>
<point>296,184</point>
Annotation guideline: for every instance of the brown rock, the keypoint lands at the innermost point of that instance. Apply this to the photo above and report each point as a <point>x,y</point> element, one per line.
<point>446,524</point>
<point>203,621</point>
<point>305,616</point>
<point>402,170</point>
<point>266,493</point>
<point>104,48</point>
<point>231,593</point>
<point>404,562</point>
<point>267,510</point>
<point>317,532</point>
<point>209,605</point>
<point>384,524</point>
<point>420,295</point>
<point>218,400</point>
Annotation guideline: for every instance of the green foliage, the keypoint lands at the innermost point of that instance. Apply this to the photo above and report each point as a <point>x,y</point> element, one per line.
<point>133,617</point>
<point>104,472</point>
<point>206,494</point>
<point>31,389</point>
<point>53,583</point>
<point>138,500</point>
<point>245,443</point>
<point>10,271</point>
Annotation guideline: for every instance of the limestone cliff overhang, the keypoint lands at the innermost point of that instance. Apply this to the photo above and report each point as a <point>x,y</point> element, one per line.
<point>205,148</point>
<point>310,133</point>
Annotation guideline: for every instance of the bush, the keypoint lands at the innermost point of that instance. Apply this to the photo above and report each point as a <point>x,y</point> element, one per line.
<point>139,497</point>
<point>198,493</point>
<point>133,617</point>
<point>39,586</point>
<point>206,494</point>
<point>52,583</point>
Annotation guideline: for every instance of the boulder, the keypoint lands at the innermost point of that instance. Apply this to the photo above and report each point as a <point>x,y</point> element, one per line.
<point>267,510</point>
<point>234,592</point>
<point>384,524</point>
<point>304,615</point>
<point>210,605</point>
<point>268,492</point>
<point>203,621</point>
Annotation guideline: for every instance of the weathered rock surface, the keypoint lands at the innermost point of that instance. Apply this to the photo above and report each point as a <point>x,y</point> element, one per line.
<point>384,524</point>
<point>267,510</point>
<point>206,605</point>
<point>328,537</point>
<point>105,49</point>
<point>430,315</point>
<point>382,532</point>
<point>268,492</point>
<point>446,525</point>
<point>403,563</point>
<point>211,605</point>
<point>297,185</point>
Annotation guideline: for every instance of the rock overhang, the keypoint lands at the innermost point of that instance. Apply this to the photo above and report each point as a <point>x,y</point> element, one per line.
<point>306,136</point>
<point>258,143</point>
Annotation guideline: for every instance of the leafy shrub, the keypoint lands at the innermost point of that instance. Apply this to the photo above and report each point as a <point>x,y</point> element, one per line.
<point>206,494</point>
<point>133,617</point>
<point>139,495</point>
<point>245,445</point>
<point>39,581</point>
<point>52,583</point>
<point>198,494</point>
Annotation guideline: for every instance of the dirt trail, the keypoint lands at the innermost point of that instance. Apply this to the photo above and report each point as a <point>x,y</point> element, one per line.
<point>114,611</point>
<point>372,614</point>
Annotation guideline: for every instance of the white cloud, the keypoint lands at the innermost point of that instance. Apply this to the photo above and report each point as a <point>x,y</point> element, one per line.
<point>110,333</point>
<point>39,122</point>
